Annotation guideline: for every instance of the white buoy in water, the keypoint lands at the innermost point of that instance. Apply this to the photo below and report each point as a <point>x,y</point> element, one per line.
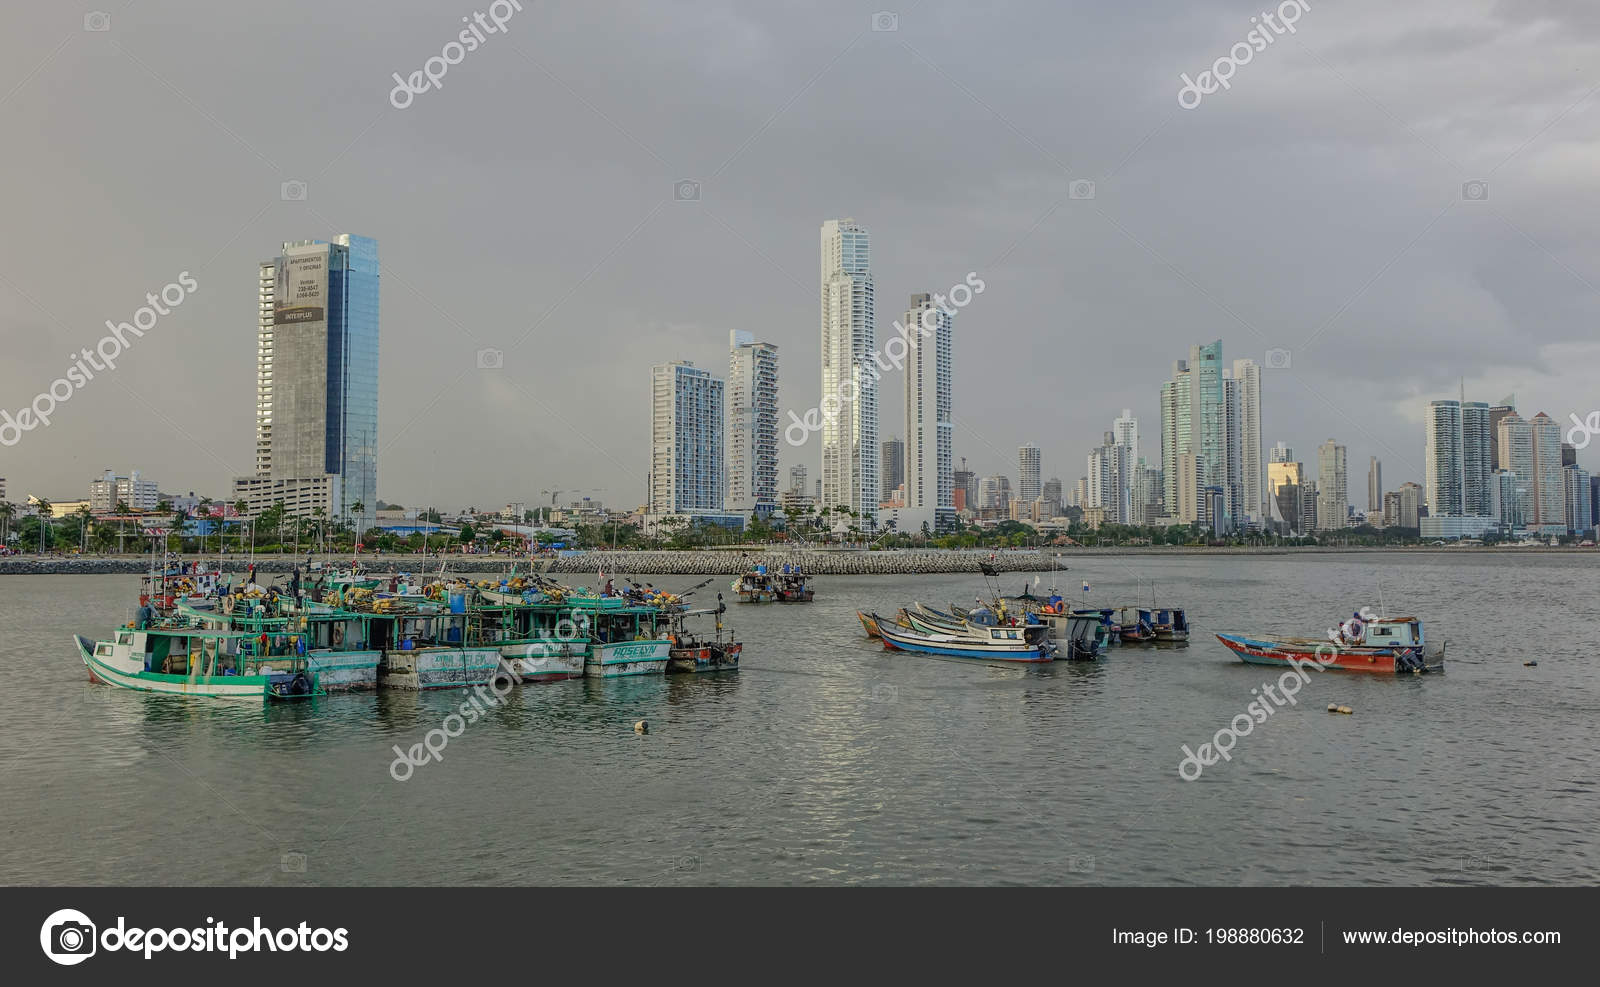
<point>1346,710</point>
<point>641,727</point>
<point>1333,707</point>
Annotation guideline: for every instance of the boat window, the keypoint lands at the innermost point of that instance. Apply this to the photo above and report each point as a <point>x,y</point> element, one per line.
<point>103,650</point>
<point>123,637</point>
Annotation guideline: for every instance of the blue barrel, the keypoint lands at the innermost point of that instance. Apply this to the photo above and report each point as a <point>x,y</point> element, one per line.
<point>458,603</point>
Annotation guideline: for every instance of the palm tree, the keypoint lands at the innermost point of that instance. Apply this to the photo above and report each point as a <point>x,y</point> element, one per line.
<point>45,512</point>
<point>8,511</point>
<point>360,511</point>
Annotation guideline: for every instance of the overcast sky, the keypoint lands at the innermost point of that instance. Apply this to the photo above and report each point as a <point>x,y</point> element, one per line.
<point>1316,206</point>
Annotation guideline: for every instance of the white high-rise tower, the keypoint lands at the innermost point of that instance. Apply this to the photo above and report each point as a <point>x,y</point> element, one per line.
<point>850,451</point>
<point>1253,493</point>
<point>929,455</point>
<point>751,396</point>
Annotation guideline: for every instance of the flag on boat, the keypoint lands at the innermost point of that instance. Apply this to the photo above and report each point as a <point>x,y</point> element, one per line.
<point>1086,585</point>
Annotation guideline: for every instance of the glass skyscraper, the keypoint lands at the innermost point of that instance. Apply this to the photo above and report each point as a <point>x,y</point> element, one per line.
<point>317,381</point>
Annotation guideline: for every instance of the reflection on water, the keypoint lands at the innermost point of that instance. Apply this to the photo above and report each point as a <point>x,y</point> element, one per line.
<point>828,760</point>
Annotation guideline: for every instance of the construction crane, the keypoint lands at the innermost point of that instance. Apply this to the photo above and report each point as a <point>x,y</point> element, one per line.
<point>557,493</point>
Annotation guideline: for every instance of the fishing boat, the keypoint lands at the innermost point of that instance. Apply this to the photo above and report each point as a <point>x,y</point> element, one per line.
<point>999,644</point>
<point>196,662</point>
<point>1134,625</point>
<point>192,583</point>
<point>788,585</point>
<point>692,653</point>
<point>1167,623</point>
<point>1386,645</point>
<point>334,651</point>
<point>537,644</point>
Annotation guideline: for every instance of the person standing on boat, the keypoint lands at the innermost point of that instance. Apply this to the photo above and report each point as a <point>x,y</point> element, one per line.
<point>294,586</point>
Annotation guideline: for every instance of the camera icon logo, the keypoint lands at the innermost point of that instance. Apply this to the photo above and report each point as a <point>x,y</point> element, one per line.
<point>491,359</point>
<point>686,191</point>
<point>885,692</point>
<point>68,937</point>
<point>1278,359</point>
<point>1477,191</point>
<point>886,20</point>
<point>97,20</point>
<point>689,864</point>
<point>293,191</point>
<point>292,863</point>
<point>1081,189</point>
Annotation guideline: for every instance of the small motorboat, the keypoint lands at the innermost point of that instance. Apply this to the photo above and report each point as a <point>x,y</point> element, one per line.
<point>1385,645</point>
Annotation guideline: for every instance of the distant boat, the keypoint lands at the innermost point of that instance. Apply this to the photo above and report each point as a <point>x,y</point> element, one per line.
<point>1167,623</point>
<point>1387,645</point>
<point>1007,644</point>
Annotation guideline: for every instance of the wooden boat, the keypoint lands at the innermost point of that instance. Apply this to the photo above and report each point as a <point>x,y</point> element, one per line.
<point>1005,644</point>
<point>869,623</point>
<point>692,653</point>
<point>334,648</point>
<point>1168,623</point>
<point>1387,645</point>
<point>195,662</point>
<point>1134,626</point>
<point>785,586</point>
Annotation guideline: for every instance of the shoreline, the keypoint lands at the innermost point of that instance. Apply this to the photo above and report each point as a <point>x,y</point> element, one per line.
<point>816,562</point>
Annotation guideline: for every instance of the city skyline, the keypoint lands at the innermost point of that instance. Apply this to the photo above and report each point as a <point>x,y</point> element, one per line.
<point>1342,269</point>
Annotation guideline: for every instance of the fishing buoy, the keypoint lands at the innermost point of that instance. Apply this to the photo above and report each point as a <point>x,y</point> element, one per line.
<point>641,727</point>
<point>1333,707</point>
<point>1346,710</point>
<point>1529,664</point>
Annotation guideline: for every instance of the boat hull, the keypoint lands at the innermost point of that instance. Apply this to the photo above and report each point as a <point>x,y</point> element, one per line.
<point>623,658</point>
<point>246,687</point>
<point>345,671</point>
<point>545,661</point>
<point>949,646</point>
<point>869,624</point>
<point>422,669</point>
<point>706,658</point>
<point>1346,658</point>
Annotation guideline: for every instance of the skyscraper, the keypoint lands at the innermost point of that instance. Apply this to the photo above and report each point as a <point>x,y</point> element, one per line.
<point>1374,484</point>
<point>965,484</point>
<point>1194,420</point>
<point>1286,486</point>
<point>1549,490</point>
<point>1333,498</point>
<point>929,468</point>
<point>849,393</point>
<point>797,480</point>
<point>1497,413</point>
<point>892,471</point>
<point>1458,458</point>
<point>1252,475</point>
<point>686,423</point>
<point>1111,479</point>
<point>1125,427</point>
<point>317,382</point>
<point>751,397</point>
<point>1027,473</point>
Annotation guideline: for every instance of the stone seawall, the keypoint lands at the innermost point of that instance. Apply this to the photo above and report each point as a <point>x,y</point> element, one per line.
<point>829,563</point>
<point>822,563</point>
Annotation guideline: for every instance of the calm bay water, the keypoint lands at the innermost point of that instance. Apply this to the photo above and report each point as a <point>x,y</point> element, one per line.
<point>827,760</point>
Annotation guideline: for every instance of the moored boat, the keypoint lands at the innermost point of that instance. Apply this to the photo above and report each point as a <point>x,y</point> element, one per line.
<point>195,662</point>
<point>1385,645</point>
<point>692,653</point>
<point>1167,623</point>
<point>1003,644</point>
<point>869,623</point>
